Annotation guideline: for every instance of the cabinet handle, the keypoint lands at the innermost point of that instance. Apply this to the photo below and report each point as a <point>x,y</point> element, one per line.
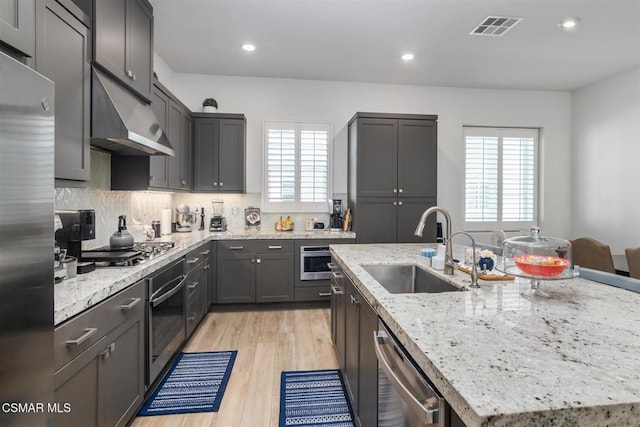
<point>399,203</point>
<point>275,246</point>
<point>215,183</point>
<point>336,290</point>
<point>133,76</point>
<point>258,261</point>
<point>130,74</point>
<point>400,190</point>
<point>337,275</point>
<point>107,351</point>
<point>331,266</point>
<point>221,183</point>
<point>395,203</point>
<point>89,332</point>
<point>236,248</point>
<point>205,252</point>
<point>206,267</point>
<point>395,190</point>
<point>192,260</point>
<point>133,303</point>
<point>324,294</point>
<point>192,318</point>
<point>193,285</point>
<point>183,182</point>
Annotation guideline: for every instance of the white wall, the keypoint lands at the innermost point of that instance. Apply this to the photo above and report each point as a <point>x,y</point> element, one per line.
<point>282,99</point>
<point>605,156</point>
<point>164,72</point>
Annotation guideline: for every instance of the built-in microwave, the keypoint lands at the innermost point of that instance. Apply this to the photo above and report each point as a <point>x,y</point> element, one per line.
<point>314,262</point>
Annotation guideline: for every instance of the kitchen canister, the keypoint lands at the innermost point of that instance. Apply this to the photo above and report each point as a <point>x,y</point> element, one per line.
<point>165,222</point>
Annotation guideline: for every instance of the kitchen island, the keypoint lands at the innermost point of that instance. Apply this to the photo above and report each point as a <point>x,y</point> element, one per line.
<point>503,359</point>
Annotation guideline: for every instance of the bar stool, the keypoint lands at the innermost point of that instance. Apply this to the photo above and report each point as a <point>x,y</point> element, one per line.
<point>590,253</point>
<point>633,261</point>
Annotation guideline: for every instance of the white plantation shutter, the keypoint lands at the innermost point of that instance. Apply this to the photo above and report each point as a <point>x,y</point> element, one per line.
<point>500,178</point>
<point>297,167</point>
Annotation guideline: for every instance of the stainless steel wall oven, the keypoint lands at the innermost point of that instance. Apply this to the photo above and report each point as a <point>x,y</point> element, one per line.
<point>165,317</point>
<point>314,262</point>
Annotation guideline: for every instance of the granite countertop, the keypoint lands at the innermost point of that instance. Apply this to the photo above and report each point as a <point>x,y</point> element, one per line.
<point>502,359</point>
<point>73,296</point>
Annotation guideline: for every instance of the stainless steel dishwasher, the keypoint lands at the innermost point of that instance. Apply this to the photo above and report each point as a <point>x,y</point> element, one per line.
<point>405,396</point>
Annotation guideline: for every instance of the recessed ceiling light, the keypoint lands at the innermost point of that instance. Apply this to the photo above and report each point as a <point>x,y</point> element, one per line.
<point>569,24</point>
<point>248,47</point>
<point>407,56</point>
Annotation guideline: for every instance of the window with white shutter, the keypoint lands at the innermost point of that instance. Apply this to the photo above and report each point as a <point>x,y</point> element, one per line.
<point>297,167</point>
<point>501,178</point>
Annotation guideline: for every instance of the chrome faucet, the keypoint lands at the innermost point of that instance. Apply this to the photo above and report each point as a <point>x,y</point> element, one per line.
<point>448,261</point>
<point>474,273</point>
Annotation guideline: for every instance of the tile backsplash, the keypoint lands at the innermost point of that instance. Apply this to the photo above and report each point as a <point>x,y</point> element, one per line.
<point>142,207</point>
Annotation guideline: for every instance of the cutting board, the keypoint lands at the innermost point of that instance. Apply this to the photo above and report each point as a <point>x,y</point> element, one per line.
<point>494,277</point>
<point>346,220</point>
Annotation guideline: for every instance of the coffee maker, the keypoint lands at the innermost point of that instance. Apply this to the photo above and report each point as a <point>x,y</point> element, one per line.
<point>336,215</point>
<point>77,226</point>
<point>218,222</point>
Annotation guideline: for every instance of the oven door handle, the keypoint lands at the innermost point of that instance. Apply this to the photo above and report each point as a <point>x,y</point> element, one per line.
<point>165,296</point>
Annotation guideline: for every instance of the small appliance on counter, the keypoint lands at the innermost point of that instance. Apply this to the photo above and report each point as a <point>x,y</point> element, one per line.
<point>336,215</point>
<point>252,218</point>
<point>184,219</point>
<point>77,225</point>
<point>218,221</point>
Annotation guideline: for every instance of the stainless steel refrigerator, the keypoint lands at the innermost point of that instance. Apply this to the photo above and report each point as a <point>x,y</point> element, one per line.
<point>26,245</point>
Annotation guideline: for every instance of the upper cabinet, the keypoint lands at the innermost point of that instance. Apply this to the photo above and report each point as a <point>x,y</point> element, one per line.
<point>219,152</point>
<point>17,25</point>
<point>123,42</point>
<point>63,54</point>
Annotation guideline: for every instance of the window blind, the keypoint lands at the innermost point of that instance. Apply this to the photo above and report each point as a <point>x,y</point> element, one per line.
<point>500,178</point>
<point>297,167</point>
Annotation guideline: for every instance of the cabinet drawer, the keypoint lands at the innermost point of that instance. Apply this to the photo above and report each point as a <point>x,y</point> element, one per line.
<point>237,246</point>
<point>196,256</point>
<point>315,293</point>
<point>78,334</point>
<point>193,315</point>
<point>273,246</point>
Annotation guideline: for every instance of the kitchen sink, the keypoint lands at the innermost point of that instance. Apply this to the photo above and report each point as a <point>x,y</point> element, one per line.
<point>407,279</point>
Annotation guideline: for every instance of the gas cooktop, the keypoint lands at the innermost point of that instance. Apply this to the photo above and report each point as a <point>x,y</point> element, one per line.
<point>140,253</point>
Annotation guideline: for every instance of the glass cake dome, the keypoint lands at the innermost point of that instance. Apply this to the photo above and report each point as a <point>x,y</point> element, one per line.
<point>537,257</point>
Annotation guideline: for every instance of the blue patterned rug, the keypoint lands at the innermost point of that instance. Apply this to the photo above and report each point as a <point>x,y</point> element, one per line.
<point>195,383</point>
<point>314,399</point>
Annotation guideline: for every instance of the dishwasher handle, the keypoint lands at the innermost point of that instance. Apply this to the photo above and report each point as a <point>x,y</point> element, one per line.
<point>428,415</point>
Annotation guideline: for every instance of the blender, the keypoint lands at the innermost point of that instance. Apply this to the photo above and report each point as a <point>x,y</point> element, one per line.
<point>218,222</point>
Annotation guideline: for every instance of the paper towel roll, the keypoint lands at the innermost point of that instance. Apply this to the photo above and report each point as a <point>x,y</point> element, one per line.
<point>165,222</point>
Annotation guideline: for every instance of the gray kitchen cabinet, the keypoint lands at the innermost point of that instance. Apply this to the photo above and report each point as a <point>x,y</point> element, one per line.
<point>392,161</point>
<point>255,271</point>
<point>236,273</point>
<point>338,313</point>
<point>159,171</point>
<point>123,42</point>
<point>219,152</point>
<point>361,365</point>
<point>99,358</point>
<point>63,54</point>
<point>197,302</point>
<point>17,26</point>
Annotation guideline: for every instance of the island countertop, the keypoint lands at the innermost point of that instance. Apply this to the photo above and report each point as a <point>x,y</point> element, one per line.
<point>501,358</point>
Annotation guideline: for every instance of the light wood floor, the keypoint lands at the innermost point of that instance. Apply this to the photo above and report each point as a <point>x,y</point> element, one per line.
<point>268,342</point>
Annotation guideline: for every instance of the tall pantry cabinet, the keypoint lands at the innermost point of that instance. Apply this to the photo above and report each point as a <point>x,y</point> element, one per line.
<point>392,176</point>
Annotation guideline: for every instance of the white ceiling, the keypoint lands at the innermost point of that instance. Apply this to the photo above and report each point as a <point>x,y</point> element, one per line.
<point>362,40</point>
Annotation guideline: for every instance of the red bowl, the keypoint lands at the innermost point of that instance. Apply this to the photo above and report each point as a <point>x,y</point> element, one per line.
<point>538,265</point>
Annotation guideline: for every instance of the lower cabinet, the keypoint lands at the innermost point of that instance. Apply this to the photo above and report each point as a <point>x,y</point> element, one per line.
<point>197,287</point>
<point>338,307</point>
<point>254,271</point>
<point>99,358</point>
<point>360,363</point>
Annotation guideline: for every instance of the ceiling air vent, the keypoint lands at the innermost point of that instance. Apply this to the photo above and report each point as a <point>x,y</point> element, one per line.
<point>495,26</point>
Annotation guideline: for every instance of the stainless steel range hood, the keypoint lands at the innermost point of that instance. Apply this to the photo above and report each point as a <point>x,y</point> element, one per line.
<point>122,123</point>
